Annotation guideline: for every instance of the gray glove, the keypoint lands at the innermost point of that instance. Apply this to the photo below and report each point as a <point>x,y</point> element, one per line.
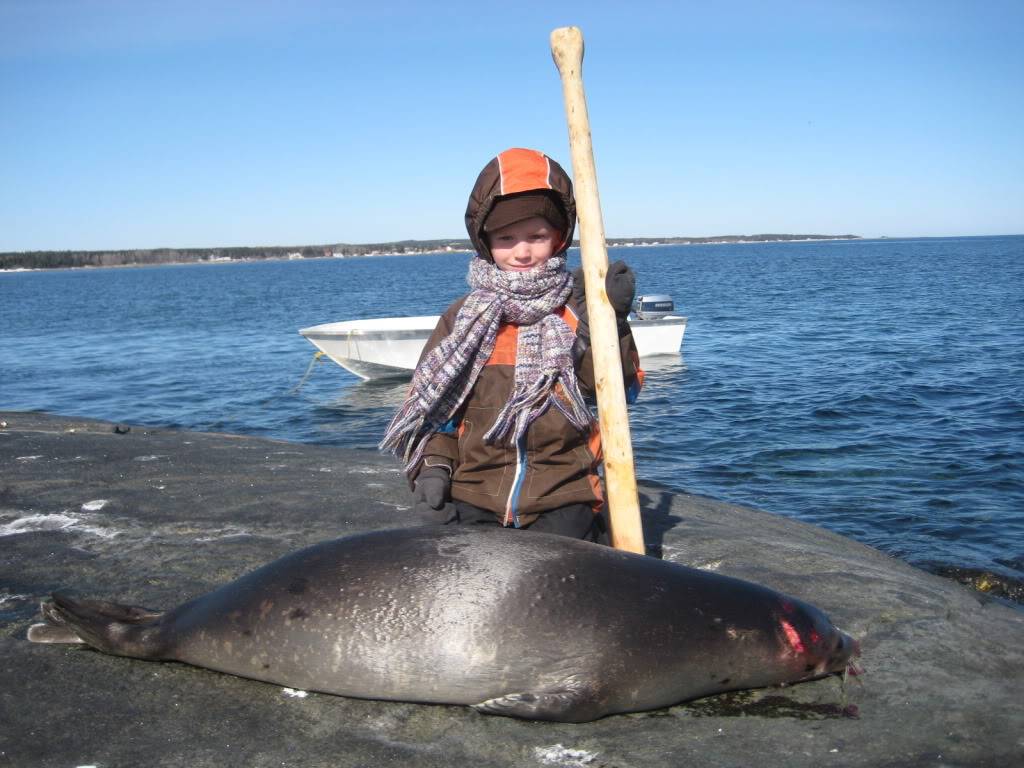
<point>619,284</point>
<point>432,495</point>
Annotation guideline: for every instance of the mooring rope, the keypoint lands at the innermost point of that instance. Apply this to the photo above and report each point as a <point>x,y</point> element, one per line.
<point>316,357</point>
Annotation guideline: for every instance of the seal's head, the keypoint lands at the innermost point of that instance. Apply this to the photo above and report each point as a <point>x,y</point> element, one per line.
<point>810,642</point>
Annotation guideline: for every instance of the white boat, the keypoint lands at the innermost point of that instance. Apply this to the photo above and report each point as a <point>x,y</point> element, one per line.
<point>389,347</point>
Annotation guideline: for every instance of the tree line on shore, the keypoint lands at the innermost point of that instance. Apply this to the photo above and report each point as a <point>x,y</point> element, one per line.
<point>154,256</point>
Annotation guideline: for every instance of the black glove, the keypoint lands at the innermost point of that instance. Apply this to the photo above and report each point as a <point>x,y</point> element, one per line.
<point>432,494</point>
<point>619,284</point>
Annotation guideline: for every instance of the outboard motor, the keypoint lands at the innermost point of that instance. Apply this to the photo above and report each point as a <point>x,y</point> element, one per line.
<point>653,306</point>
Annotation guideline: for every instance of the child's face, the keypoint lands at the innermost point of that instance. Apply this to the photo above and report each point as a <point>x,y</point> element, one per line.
<point>524,245</point>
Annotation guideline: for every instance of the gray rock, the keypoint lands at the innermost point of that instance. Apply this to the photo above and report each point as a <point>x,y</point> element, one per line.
<point>155,517</point>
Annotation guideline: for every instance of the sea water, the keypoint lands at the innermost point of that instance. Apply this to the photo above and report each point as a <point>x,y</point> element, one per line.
<point>872,387</point>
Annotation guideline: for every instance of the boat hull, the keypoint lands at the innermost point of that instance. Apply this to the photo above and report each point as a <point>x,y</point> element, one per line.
<point>390,347</point>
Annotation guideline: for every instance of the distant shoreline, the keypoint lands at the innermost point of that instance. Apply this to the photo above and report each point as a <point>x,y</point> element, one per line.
<point>29,261</point>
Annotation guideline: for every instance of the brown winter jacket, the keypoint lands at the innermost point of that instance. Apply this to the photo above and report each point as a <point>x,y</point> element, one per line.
<point>555,464</point>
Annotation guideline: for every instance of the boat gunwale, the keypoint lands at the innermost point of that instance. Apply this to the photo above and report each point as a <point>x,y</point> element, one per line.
<point>378,334</point>
<point>367,335</point>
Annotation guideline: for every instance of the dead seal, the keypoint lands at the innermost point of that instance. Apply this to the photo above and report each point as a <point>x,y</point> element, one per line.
<point>532,626</point>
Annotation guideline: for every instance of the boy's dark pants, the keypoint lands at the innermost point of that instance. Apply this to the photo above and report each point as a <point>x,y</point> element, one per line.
<point>576,521</point>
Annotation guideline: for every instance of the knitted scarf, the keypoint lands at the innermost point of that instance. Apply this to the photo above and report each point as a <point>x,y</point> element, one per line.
<point>445,377</point>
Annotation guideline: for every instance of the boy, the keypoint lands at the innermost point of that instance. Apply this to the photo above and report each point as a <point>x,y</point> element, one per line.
<point>495,428</point>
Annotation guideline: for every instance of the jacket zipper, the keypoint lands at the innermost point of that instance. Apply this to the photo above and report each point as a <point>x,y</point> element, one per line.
<point>512,506</point>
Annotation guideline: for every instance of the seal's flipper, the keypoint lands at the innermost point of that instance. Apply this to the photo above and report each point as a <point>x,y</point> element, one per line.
<point>53,628</point>
<point>571,704</point>
<point>122,630</point>
<point>51,633</point>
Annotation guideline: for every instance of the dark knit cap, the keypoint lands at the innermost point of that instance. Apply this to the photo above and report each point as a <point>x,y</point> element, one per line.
<point>512,208</point>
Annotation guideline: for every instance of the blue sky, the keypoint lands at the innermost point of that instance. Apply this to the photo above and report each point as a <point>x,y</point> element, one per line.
<point>133,124</point>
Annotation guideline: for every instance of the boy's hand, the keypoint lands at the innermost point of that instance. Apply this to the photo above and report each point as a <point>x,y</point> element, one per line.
<point>432,494</point>
<point>619,284</point>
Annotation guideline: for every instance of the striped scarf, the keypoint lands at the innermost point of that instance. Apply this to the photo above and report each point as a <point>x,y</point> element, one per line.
<point>445,377</point>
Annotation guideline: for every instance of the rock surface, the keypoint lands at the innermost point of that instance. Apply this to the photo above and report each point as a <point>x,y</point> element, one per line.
<point>155,517</point>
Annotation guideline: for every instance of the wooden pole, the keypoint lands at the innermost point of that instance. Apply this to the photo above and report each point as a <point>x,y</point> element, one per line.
<point>620,477</point>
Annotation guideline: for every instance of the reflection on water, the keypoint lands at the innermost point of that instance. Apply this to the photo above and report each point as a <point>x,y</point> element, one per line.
<point>386,393</point>
<point>663,367</point>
